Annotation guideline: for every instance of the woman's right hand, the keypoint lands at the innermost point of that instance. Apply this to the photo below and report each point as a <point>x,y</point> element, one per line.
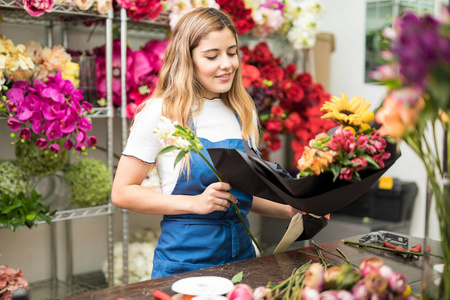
<point>216,197</point>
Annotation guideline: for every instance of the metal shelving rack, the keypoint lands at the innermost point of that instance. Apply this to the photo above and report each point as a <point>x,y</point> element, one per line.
<point>12,12</point>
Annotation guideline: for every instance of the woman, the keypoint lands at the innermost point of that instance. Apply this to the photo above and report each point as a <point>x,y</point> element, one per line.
<point>199,86</point>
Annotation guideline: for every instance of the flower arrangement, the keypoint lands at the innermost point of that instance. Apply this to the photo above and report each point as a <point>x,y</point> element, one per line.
<point>140,257</point>
<point>12,178</point>
<point>139,9</point>
<point>37,8</point>
<point>372,280</point>
<point>10,281</point>
<point>178,8</point>
<point>352,148</point>
<point>52,108</point>
<point>418,104</point>
<point>184,141</point>
<point>287,102</point>
<point>143,67</point>
<point>268,17</point>
<point>90,182</point>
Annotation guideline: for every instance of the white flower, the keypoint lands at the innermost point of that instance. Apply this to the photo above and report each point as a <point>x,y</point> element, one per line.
<point>165,129</point>
<point>182,143</point>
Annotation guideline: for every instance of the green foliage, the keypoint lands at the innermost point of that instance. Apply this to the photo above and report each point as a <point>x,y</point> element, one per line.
<point>40,162</point>
<point>238,277</point>
<point>90,181</point>
<point>19,210</point>
<point>12,178</point>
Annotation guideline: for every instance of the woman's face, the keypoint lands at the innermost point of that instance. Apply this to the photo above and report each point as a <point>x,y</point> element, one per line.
<point>216,61</point>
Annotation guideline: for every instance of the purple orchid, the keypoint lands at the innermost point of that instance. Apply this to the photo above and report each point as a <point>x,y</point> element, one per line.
<point>52,108</point>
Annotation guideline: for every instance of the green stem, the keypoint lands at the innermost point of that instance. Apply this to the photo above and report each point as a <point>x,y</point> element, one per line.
<point>317,256</point>
<point>332,253</point>
<point>388,249</point>
<point>236,209</point>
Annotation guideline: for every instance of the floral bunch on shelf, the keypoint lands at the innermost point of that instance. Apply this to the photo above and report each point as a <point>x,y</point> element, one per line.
<point>417,107</point>
<point>10,281</point>
<point>51,109</point>
<point>31,61</point>
<point>302,19</point>
<point>142,66</point>
<point>288,102</point>
<point>352,148</point>
<point>268,17</point>
<point>140,9</point>
<point>178,8</point>
<point>240,13</point>
<point>37,8</point>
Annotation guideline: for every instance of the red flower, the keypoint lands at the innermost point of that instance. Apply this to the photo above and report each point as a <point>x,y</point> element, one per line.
<point>292,122</point>
<point>250,75</point>
<point>277,111</point>
<point>273,73</point>
<point>305,80</point>
<point>274,125</point>
<point>291,69</point>
<point>261,54</point>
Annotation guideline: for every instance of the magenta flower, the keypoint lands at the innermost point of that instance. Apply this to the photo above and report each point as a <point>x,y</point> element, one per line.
<point>358,163</point>
<point>55,148</point>
<point>13,124</point>
<point>25,133</point>
<point>37,8</point>
<point>52,107</point>
<point>41,143</point>
<point>345,173</point>
<point>398,283</point>
<point>92,141</point>
<point>68,145</point>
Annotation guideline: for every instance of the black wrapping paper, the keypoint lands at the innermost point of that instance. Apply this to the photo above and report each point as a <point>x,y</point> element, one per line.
<point>317,194</point>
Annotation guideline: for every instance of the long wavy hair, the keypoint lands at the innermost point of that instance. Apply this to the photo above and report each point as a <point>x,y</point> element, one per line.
<point>178,85</point>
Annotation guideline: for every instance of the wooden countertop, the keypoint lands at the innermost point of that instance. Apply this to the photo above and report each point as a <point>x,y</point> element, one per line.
<point>272,268</point>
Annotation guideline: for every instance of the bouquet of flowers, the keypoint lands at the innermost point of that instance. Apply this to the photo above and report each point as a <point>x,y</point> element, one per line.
<point>340,166</point>
<point>10,281</point>
<point>51,109</point>
<point>351,148</point>
<point>418,104</point>
<point>142,66</point>
<point>287,102</point>
<point>37,8</point>
<point>137,10</point>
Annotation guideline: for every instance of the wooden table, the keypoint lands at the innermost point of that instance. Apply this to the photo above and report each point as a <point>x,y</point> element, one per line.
<point>259,271</point>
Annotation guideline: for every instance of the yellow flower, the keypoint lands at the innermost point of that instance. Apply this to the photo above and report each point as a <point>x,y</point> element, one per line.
<point>349,113</point>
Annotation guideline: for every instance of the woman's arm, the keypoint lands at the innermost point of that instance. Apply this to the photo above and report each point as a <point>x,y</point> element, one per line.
<point>127,193</point>
<point>272,209</point>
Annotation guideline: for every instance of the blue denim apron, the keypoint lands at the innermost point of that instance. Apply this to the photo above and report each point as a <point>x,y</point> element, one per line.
<point>190,242</point>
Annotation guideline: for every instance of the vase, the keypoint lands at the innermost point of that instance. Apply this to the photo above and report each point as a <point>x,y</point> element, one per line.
<point>436,248</point>
<point>87,78</point>
<point>54,190</point>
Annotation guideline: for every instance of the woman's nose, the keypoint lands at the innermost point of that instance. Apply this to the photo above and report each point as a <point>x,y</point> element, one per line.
<point>225,63</point>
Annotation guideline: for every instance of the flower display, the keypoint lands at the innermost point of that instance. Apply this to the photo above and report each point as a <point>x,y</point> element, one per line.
<point>352,148</point>
<point>268,17</point>
<point>372,280</point>
<point>13,60</point>
<point>418,103</point>
<point>37,8</point>
<point>184,140</point>
<point>142,66</point>
<point>90,182</point>
<point>13,179</point>
<point>180,7</point>
<point>51,107</point>
<point>287,102</point>
<point>139,9</point>
<point>140,257</point>
<point>10,281</point>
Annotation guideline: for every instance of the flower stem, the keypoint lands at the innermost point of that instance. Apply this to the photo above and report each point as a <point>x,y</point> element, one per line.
<point>387,249</point>
<point>234,205</point>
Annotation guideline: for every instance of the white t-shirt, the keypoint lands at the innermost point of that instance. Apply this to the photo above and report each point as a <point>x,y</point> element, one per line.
<point>215,122</point>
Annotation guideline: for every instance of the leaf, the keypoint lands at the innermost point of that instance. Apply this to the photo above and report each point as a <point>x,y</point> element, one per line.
<point>179,157</point>
<point>30,216</point>
<point>238,277</point>
<point>167,149</point>
<point>372,161</point>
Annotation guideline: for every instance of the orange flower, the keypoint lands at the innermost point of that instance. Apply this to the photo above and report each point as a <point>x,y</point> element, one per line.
<point>55,58</point>
<point>396,117</point>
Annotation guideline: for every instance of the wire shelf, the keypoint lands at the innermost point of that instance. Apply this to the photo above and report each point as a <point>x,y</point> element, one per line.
<point>80,213</point>
<point>49,289</point>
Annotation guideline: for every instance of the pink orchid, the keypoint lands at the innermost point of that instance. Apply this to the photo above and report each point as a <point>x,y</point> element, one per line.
<point>53,131</point>
<point>37,8</point>
<point>41,143</point>
<point>92,141</point>
<point>13,124</point>
<point>68,145</point>
<point>67,124</point>
<point>25,133</point>
<point>55,148</point>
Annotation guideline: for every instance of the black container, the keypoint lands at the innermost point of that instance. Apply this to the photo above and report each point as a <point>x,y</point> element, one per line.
<point>395,204</point>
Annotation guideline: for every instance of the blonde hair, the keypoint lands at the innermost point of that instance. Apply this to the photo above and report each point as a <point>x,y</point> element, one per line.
<point>178,85</point>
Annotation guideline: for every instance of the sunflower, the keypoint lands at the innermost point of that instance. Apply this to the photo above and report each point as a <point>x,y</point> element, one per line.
<point>352,113</point>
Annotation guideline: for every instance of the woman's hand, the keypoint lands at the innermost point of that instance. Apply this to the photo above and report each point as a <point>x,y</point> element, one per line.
<point>214,198</point>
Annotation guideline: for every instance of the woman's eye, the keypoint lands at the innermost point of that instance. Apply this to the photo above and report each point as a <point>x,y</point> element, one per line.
<point>232,54</point>
<point>211,57</point>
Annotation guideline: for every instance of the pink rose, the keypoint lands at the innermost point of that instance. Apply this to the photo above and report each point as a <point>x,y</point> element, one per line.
<point>37,8</point>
